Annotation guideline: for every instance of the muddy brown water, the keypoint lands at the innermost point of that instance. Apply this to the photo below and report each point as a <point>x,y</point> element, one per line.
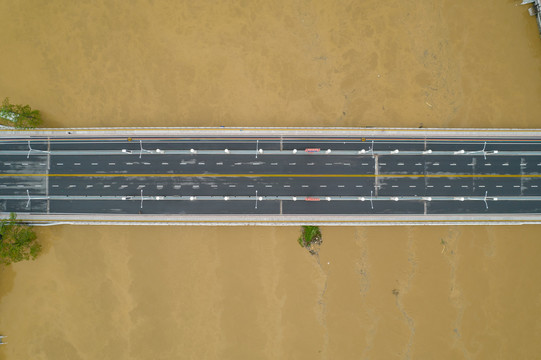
<point>253,293</point>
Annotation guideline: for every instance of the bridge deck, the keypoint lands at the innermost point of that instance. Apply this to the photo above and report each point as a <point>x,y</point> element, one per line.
<point>279,176</point>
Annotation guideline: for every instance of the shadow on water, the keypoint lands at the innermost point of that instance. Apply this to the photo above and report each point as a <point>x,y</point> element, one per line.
<point>7,276</point>
<point>45,238</point>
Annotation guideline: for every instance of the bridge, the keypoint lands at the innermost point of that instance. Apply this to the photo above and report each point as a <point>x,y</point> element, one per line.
<point>535,10</point>
<point>269,176</point>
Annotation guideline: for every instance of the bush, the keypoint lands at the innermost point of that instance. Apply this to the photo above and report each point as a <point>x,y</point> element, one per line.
<point>17,241</point>
<point>309,235</point>
<point>20,116</point>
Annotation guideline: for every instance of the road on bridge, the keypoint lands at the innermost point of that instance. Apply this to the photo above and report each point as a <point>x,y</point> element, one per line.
<point>270,175</point>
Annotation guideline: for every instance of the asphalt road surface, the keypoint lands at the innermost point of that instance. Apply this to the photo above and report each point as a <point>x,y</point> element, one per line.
<point>270,175</point>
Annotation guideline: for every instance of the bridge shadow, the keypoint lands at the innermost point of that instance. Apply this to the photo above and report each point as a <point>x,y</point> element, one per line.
<point>7,277</point>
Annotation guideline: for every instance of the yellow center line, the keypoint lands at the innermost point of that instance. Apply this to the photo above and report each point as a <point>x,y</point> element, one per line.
<point>286,175</point>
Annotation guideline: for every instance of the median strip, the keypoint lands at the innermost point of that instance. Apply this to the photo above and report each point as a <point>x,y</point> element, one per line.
<point>286,175</point>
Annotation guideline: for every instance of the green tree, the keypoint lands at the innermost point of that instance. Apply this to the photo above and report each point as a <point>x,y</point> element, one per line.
<point>17,241</point>
<point>21,116</point>
<point>309,235</point>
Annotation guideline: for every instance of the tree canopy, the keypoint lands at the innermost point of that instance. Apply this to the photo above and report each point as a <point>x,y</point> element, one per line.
<point>17,241</point>
<point>309,235</point>
<point>20,116</point>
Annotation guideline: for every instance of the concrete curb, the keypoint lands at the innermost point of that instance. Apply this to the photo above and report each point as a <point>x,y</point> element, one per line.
<point>277,220</point>
<point>271,131</point>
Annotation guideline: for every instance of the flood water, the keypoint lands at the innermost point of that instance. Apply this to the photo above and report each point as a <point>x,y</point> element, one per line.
<point>460,292</point>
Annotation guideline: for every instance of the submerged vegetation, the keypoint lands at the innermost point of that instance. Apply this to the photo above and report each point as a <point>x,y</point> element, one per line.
<point>310,238</point>
<point>19,116</point>
<point>17,241</point>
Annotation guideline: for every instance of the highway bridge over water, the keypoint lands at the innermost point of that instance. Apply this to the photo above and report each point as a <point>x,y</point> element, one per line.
<point>272,176</point>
